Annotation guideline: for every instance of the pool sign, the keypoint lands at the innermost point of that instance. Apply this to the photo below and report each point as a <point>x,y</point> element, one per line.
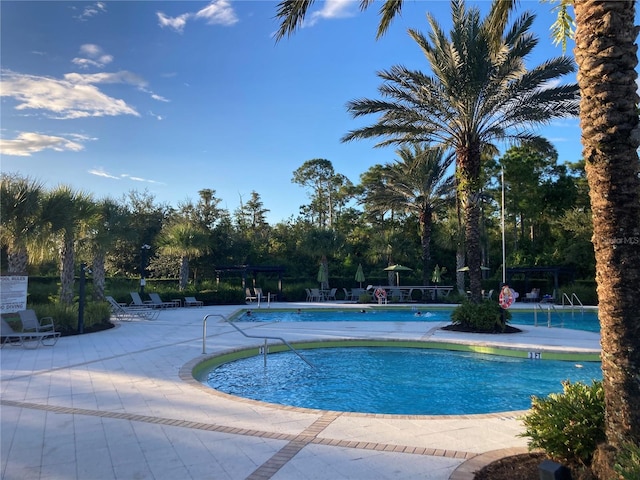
<point>13,293</point>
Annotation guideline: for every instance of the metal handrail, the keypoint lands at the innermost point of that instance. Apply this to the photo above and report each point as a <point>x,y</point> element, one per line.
<point>265,338</point>
<point>570,301</point>
<point>549,307</point>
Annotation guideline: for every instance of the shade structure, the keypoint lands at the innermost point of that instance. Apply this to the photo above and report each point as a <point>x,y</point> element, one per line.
<point>360,275</point>
<point>398,268</point>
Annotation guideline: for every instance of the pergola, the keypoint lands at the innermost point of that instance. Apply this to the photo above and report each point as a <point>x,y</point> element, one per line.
<point>529,272</point>
<point>252,271</point>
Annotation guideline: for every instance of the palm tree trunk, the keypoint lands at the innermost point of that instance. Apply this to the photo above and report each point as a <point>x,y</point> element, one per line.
<point>67,259</point>
<point>184,272</point>
<point>468,159</point>
<point>17,259</point>
<point>607,57</point>
<point>425,240</point>
<point>98,275</point>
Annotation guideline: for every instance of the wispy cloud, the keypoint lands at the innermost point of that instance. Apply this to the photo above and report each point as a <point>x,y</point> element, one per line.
<point>75,96</point>
<point>218,12</point>
<point>101,172</point>
<point>92,56</point>
<point>92,10</point>
<point>27,143</point>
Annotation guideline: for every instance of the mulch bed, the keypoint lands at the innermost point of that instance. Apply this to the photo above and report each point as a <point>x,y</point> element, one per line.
<point>516,467</point>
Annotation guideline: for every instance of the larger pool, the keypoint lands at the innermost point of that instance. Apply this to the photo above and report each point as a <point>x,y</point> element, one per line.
<point>398,380</point>
<point>587,320</point>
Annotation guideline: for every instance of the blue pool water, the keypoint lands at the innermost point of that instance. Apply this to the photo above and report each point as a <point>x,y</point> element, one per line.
<point>576,320</point>
<point>396,380</point>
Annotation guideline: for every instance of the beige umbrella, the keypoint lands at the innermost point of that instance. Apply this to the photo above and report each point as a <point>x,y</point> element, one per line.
<point>398,268</point>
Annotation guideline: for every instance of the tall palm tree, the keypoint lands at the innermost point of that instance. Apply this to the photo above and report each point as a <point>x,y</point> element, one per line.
<point>479,93</point>
<point>21,208</point>
<point>606,57</point>
<point>187,241</point>
<point>68,213</point>
<point>417,184</point>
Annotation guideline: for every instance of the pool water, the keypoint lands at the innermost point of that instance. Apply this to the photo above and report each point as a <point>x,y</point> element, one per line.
<point>576,320</point>
<point>397,380</point>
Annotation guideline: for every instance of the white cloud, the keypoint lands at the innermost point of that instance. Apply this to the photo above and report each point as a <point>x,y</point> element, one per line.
<point>122,76</point>
<point>99,172</point>
<point>218,12</point>
<point>333,9</point>
<point>176,23</point>
<point>159,98</point>
<point>92,10</point>
<point>27,143</point>
<point>92,55</point>
<point>140,179</point>
<point>73,97</point>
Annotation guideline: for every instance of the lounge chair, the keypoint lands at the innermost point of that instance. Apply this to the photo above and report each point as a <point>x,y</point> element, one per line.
<point>44,327</point>
<point>533,296</point>
<point>262,297</point>
<point>157,302</point>
<point>137,301</point>
<point>249,297</point>
<point>122,311</point>
<point>22,339</point>
<point>192,302</point>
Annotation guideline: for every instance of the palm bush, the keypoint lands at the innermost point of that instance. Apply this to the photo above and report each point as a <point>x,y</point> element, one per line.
<point>486,316</point>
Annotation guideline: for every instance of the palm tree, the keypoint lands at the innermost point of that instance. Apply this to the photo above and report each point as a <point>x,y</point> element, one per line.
<point>417,184</point>
<point>606,57</point>
<point>20,204</point>
<point>108,225</point>
<point>187,241</point>
<point>480,93</point>
<point>68,213</point>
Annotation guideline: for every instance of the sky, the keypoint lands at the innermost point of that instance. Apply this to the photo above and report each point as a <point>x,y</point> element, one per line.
<point>179,96</point>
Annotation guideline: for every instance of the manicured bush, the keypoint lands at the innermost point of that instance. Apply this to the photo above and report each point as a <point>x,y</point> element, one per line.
<point>568,426</point>
<point>486,316</point>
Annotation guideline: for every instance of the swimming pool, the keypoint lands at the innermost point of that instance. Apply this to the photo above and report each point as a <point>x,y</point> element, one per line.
<point>398,380</point>
<point>587,320</point>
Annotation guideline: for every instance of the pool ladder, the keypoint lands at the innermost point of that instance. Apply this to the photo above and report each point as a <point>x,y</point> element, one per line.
<point>570,301</point>
<point>548,312</point>
<point>264,350</point>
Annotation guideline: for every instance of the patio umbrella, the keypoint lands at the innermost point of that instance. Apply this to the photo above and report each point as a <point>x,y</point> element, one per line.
<point>437,274</point>
<point>398,268</point>
<point>466,269</point>
<point>360,275</point>
<point>323,277</point>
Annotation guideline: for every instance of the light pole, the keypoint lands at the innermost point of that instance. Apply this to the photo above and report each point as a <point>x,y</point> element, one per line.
<point>504,256</point>
<point>144,251</point>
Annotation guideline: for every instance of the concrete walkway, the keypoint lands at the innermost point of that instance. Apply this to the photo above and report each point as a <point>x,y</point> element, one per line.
<point>122,404</point>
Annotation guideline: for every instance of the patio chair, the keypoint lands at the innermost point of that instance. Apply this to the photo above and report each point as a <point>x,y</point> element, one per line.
<point>332,294</point>
<point>157,302</point>
<point>316,295</point>
<point>348,295</point>
<point>124,312</point>
<point>22,339</point>
<point>249,297</point>
<point>487,295</point>
<point>192,302</point>
<point>137,301</point>
<point>308,292</point>
<point>44,326</point>
<point>533,296</point>
<point>261,296</point>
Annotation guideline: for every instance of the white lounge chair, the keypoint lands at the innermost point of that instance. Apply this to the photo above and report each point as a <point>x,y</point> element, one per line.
<point>262,296</point>
<point>249,297</point>
<point>44,326</point>
<point>124,312</point>
<point>157,302</point>
<point>192,302</point>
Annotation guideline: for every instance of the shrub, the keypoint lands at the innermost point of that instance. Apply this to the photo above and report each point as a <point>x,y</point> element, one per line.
<point>628,462</point>
<point>486,316</point>
<point>65,317</point>
<point>568,426</point>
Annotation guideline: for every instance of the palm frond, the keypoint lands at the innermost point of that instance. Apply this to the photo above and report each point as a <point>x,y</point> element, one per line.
<point>291,13</point>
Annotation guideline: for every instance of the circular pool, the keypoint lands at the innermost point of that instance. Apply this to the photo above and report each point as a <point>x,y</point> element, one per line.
<point>397,380</point>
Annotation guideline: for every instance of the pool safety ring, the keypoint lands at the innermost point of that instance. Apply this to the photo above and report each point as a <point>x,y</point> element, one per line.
<point>506,297</point>
<point>380,293</point>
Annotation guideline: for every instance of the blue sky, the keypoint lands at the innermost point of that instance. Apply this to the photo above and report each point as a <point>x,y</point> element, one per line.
<point>174,97</point>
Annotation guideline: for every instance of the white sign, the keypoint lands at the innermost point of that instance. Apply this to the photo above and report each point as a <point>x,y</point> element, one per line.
<point>13,293</point>
<point>535,355</point>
